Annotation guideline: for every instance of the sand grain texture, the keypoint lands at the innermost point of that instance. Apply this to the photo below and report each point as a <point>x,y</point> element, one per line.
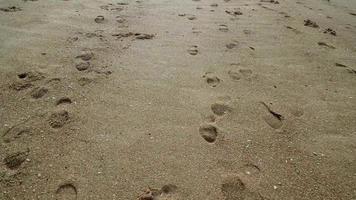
<point>161,99</point>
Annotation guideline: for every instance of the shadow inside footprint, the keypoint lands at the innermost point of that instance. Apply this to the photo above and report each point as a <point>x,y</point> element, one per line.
<point>165,192</point>
<point>66,191</point>
<point>58,119</point>
<point>193,50</point>
<point>39,92</point>
<point>273,118</point>
<point>14,161</point>
<point>220,109</point>
<point>234,75</point>
<point>233,188</point>
<point>208,132</point>
<point>211,79</point>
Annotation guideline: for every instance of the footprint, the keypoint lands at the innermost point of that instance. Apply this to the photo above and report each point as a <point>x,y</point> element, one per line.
<point>58,119</point>
<point>144,36</point>
<point>251,170</point>
<point>15,132</point>
<point>18,86</point>
<point>63,100</point>
<point>99,19</point>
<point>293,29</point>
<point>211,79</point>
<point>66,191</point>
<point>310,23</point>
<point>85,81</point>
<point>85,56</point>
<point>223,28</point>
<point>192,17</point>
<point>31,76</point>
<point>233,188</point>
<point>273,119</point>
<point>270,1</point>
<point>11,9</point>
<point>38,92</point>
<point>166,192</point>
<point>111,7</point>
<point>231,45</point>
<point>234,75</point>
<point>233,12</point>
<point>326,45</point>
<point>245,72</point>
<point>82,66</point>
<point>193,50</point>
<point>120,20</point>
<point>208,132</point>
<point>330,31</point>
<point>220,109</point>
<point>14,161</point>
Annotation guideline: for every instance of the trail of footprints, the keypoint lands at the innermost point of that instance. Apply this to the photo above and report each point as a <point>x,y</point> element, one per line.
<point>37,86</point>
<point>233,187</point>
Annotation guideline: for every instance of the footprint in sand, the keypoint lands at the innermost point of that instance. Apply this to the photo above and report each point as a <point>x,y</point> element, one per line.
<point>58,119</point>
<point>192,17</point>
<point>99,19</point>
<point>233,188</point>
<point>16,132</point>
<point>144,36</point>
<point>15,160</point>
<point>251,170</point>
<point>273,119</point>
<point>82,81</point>
<point>234,12</point>
<point>296,31</point>
<point>63,100</point>
<point>66,191</point>
<point>82,66</point>
<point>26,80</point>
<point>112,7</point>
<point>245,72</point>
<point>323,44</point>
<point>193,50</point>
<point>208,132</point>
<point>39,92</point>
<point>85,56</point>
<point>11,9</point>
<point>235,76</point>
<point>120,20</point>
<point>220,108</point>
<point>330,31</point>
<point>168,191</point>
<point>231,45</point>
<point>211,79</point>
<point>31,76</point>
<point>310,23</point>
<point>18,86</point>
<point>223,28</point>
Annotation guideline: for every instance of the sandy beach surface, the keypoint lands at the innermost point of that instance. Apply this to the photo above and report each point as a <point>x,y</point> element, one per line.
<point>178,99</point>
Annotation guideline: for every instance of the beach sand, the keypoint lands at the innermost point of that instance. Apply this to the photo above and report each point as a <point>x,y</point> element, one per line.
<point>178,99</point>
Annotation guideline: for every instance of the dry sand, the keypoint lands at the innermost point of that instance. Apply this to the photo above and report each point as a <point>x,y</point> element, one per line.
<point>178,99</point>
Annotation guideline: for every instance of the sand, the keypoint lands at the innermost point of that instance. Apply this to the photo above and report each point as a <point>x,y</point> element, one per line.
<point>177,100</point>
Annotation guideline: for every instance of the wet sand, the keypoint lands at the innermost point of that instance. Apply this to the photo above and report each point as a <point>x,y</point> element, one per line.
<point>164,99</point>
